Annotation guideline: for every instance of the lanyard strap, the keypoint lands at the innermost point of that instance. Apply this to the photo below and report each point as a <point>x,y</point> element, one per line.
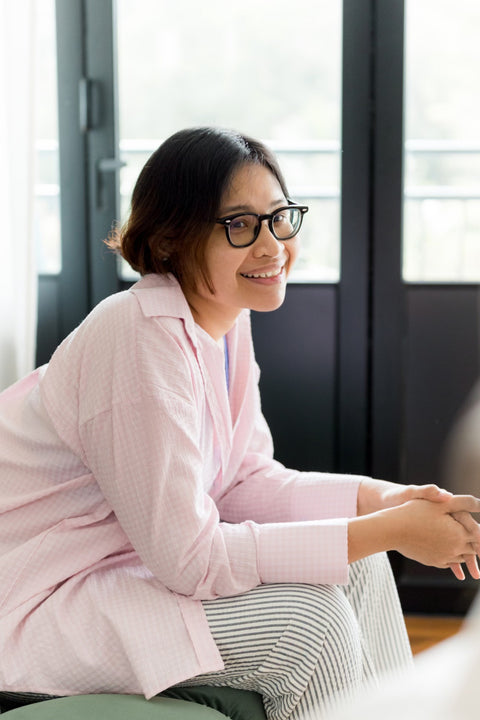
<point>227,366</point>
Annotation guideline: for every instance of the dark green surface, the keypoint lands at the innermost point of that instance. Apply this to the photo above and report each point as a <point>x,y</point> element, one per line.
<point>189,703</point>
<point>235,704</point>
<point>114,707</point>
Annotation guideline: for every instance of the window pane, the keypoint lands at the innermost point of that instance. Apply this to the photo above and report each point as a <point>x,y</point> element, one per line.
<point>268,69</point>
<point>442,149</point>
<point>47,188</point>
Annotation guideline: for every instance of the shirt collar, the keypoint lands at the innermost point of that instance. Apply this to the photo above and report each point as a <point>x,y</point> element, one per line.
<point>162,296</point>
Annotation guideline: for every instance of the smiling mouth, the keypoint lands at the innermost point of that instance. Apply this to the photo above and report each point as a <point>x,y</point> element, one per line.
<point>271,274</point>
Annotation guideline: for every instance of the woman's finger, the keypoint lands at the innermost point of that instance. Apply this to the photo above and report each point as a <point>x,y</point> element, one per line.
<point>467,521</point>
<point>466,503</point>
<point>472,565</point>
<point>457,570</point>
<point>428,492</point>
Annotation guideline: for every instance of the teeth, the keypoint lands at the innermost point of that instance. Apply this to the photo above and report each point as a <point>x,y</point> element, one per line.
<point>262,275</point>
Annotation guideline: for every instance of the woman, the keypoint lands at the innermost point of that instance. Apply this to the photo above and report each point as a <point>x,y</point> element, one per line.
<point>148,538</point>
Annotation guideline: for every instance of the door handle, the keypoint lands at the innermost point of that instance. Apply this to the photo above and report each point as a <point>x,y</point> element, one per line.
<point>104,166</point>
<point>110,165</point>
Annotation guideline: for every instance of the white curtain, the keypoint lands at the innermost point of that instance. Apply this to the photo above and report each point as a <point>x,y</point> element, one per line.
<point>18,283</point>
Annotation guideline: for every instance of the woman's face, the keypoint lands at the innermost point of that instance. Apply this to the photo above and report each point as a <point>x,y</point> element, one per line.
<point>235,272</point>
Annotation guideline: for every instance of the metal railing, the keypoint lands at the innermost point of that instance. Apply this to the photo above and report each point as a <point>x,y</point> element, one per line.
<point>47,193</point>
<point>129,147</point>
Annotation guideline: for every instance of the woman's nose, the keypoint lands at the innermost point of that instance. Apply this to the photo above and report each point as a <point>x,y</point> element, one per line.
<point>266,243</point>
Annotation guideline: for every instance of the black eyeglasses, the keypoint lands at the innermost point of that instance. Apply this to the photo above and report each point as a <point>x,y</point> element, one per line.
<point>242,229</point>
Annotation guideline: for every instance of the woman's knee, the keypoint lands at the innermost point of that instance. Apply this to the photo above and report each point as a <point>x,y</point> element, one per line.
<point>293,619</point>
<point>324,627</point>
<point>326,615</point>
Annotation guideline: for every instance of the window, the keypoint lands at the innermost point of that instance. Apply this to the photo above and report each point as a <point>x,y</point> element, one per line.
<point>441,240</point>
<point>47,191</point>
<point>268,69</point>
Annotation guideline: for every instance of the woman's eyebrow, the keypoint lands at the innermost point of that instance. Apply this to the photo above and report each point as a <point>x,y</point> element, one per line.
<point>231,209</point>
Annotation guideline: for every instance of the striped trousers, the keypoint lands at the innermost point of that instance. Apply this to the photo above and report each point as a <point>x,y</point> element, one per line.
<point>305,647</point>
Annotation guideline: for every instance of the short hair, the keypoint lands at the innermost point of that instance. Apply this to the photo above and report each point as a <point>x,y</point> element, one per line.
<point>177,198</point>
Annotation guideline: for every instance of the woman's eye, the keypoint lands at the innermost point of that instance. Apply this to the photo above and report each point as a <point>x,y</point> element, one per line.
<point>240,224</point>
<point>280,218</point>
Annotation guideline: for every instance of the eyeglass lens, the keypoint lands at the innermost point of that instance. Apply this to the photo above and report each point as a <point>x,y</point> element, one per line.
<point>284,225</point>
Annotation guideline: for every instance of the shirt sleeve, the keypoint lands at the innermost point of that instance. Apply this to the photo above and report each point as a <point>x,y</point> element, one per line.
<point>149,470</point>
<point>301,519</point>
<point>145,456</point>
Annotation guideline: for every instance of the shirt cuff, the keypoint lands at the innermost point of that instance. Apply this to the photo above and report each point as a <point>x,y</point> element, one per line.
<point>304,552</point>
<point>325,496</point>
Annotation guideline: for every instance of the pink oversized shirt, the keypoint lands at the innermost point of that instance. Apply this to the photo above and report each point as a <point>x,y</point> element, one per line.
<point>132,486</point>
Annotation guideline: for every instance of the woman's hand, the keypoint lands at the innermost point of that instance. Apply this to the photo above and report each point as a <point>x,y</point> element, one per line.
<point>470,561</point>
<point>436,534</point>
<point>376,495</point>
<point>438,531</point>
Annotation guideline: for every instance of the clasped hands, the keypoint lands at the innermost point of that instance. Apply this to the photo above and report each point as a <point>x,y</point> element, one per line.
<point>424,523</point>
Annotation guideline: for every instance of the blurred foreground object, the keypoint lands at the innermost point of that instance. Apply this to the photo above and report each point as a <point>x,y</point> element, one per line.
<point>443,683</point>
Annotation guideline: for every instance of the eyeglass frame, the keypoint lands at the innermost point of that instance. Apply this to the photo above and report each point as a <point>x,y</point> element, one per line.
<point>226,222</point>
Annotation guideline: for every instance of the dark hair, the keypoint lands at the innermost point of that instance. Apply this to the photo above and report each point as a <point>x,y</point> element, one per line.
<point>177,197</point>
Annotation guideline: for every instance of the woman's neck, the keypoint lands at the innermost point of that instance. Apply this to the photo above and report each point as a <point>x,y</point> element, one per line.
<point>215,322</point>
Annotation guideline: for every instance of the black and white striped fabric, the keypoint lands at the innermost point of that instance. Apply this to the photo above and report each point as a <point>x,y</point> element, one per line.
<point>304,647</point>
